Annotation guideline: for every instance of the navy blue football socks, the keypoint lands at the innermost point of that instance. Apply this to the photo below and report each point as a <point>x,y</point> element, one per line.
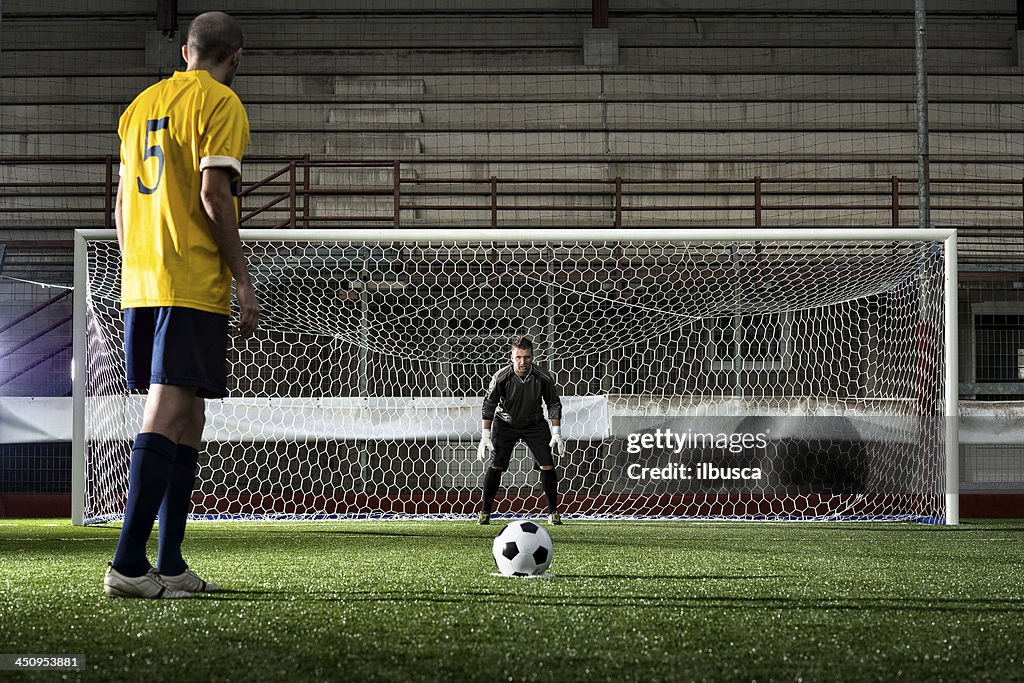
<point>152,462</point>
<point>492,480</point>
<point>174,509</point>
<point>549,480</point>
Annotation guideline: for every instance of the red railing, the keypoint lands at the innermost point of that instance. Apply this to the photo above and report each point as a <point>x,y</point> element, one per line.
<point>287,197</point>
<point>617,197</point>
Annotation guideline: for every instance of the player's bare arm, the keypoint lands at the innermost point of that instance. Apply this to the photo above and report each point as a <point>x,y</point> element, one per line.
<point>118,221</point>
<point>219,207</point>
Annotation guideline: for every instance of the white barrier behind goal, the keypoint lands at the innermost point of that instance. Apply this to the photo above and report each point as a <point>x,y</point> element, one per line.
<point>711,374</point>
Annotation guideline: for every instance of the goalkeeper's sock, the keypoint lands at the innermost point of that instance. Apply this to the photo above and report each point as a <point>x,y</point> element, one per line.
<point>492,481</point>
<point>174,509</point>
<point>151,464</point>
<point>549,479</point>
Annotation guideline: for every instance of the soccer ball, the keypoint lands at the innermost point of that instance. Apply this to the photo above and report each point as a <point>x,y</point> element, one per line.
<point>522,548</point>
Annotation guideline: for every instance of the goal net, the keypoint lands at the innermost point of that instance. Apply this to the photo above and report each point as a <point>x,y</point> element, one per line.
<point>705,374</point>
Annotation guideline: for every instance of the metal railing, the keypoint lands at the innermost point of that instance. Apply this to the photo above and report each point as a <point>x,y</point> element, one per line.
<point>288,197</point>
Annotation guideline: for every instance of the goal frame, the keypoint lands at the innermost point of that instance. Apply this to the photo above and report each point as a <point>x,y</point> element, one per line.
<point>947,236</point>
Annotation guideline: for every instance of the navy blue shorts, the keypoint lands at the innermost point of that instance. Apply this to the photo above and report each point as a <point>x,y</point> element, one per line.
<point>179,346</point>
<point>505,437</point>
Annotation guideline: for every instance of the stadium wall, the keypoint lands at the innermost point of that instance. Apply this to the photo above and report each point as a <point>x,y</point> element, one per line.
<point>35,459</point>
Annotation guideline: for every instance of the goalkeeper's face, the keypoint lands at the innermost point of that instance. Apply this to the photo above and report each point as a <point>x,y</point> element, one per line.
<point>522,359</point>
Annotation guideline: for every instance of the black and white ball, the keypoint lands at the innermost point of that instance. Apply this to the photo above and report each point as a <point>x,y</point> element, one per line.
<point>523,548</point>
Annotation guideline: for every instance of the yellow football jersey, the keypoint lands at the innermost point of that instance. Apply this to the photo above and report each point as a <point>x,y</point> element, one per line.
<point>169,134</point>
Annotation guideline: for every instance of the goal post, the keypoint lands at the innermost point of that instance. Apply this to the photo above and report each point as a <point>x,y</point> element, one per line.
<point>951,396</point>
<point>720,374</point>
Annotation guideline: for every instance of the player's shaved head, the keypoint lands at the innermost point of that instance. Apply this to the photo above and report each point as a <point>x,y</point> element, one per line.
<point>214,36</point>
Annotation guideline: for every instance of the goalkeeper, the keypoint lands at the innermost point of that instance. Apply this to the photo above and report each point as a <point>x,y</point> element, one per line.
<point>512,412</point>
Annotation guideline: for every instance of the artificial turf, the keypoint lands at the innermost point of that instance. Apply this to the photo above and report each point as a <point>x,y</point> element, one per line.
<point>626,601</point>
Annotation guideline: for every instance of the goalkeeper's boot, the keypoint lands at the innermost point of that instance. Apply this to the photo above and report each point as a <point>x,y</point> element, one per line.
<point>190,582</point>
<point>555,518</point>
<point>149,585</point>
<point>484,518</point>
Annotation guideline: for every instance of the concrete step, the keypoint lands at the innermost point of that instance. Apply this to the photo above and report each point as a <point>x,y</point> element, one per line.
<point>26,7</point>
<point>692,59</point>
<point>75,90</point>
<point>356,146</point>
<point>370,117</point>
<point>997,147</point>
<point>860,32</point>
<point>344,146</point>
<point>95,60</point>
<point>819,59</point>
<point>75,32</point>
<point>462,28</point>
<point>717,116</point>
<point>374,117</point>
<point>243,7</point>
<point>357,178</point>
<point>361,86</point>
<point>131,61</point>
<point>710,59</point>
<point>822,87</point>
<point>59,210</point>
<point>355,207</point>
<point>578,86</point>
<point>46,175</point>
<point>267,85</point>
<point>28,224</point>
<point>573,86</point>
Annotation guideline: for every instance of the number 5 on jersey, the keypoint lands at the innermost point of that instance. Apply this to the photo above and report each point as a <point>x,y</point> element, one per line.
<point>152,126</point>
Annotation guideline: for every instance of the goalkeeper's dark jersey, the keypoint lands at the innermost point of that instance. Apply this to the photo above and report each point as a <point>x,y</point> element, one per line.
<point>518,400</point>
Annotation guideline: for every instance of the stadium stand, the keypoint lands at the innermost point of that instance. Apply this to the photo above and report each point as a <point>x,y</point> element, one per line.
<point>776,113</point>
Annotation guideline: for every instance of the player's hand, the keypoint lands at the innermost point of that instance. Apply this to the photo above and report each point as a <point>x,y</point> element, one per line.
<point>248,310</point>
<point>557,444</point>
<point>486,447</point>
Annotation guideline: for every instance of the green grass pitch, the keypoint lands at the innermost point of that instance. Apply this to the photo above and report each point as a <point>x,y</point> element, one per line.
<point>627,601</point>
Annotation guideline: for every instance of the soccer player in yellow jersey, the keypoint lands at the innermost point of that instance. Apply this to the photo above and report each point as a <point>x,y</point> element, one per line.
<point>182,142</point>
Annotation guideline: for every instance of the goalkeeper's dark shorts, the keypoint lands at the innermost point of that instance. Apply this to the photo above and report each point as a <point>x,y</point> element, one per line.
<point>505,437</point>
<point>177,346</point>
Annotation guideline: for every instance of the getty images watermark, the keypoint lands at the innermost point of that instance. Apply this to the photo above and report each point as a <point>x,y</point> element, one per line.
<point>672,443</point>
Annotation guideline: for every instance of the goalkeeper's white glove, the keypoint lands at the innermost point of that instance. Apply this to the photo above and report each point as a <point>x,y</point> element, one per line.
<point>485,448</point>
<point>556,443</point>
